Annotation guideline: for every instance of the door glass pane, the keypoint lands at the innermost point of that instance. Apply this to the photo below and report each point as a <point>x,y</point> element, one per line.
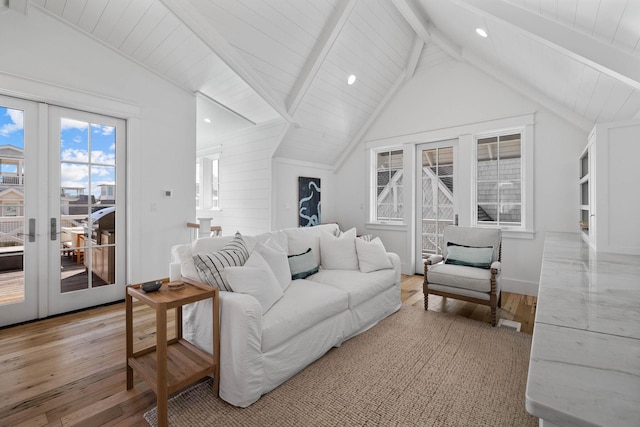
<point>13,225</point>
<point>87,205</point>
<point>437,197</point>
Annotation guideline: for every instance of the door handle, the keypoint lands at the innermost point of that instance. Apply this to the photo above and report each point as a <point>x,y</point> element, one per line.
<point>53,235</point>
<point>32,230</point>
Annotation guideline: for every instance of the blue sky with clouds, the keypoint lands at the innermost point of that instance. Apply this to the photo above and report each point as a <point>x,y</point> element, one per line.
<point>81,143</point>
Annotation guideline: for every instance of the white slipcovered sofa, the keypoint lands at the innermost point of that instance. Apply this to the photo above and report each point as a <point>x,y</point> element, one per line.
<point>260,349</point>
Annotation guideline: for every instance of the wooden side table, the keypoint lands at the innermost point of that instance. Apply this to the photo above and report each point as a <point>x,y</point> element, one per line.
<point>173,364</point>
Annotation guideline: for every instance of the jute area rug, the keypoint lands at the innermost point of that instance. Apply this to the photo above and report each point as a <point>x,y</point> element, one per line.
<point>415,368</point>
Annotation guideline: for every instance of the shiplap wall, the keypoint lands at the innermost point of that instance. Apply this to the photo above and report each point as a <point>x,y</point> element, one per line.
<point>245,180</point>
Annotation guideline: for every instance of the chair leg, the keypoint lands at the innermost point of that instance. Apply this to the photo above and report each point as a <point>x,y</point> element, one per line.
<point>500,300</point>
<point>493,317</point>
<point>426,301</point>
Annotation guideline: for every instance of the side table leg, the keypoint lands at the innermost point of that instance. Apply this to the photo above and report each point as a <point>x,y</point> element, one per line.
<point>161,354</point>
<point>129,338</point>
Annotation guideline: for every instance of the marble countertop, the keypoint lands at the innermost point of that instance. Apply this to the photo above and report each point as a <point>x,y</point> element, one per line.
<point>585,356</point>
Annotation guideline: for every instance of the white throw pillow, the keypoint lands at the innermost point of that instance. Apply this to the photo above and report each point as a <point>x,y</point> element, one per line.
<point>255,278</point>
<point>339,253</point>
<point>277,259</point>
<point>372,256</point>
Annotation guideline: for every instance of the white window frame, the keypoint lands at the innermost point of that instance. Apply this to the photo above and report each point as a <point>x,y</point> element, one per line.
<point>205,176</point>
<point>526,227</point>
<point>373,185</point>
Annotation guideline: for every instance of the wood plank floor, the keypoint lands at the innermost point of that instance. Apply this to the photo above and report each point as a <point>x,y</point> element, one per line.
<point>70,370</point>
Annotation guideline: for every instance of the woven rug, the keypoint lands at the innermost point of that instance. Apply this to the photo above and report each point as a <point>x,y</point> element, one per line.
<point>415,368</point>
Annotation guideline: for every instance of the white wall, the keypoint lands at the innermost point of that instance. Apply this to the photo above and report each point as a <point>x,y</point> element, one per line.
<point>441,101</point>
<point>286,173</point>
<point>44,60</point>
<point>246,179</point>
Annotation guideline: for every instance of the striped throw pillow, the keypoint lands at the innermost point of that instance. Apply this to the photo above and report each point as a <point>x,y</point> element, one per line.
<point>210,265</point>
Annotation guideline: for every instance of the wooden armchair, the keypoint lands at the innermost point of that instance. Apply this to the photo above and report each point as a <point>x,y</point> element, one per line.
<point>468,269</point>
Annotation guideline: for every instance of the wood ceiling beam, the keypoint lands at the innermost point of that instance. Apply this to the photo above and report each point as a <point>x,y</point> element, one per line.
<point>580,47</point>
<point>190,17</point>
<point>314,61</point>
<point>425,29</point>
<point>414,57</point>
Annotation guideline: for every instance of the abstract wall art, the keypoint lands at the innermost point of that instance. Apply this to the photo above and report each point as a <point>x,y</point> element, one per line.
<point>308,201</point>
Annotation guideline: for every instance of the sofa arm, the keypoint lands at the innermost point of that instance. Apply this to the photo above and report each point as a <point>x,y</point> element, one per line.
<point>397,266</point>
<point>241,370</point>
<point>497,266</point>
<point>433,259</point>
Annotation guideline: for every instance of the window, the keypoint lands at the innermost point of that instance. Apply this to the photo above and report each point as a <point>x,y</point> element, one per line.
<point>207,182</point>
<point>387,198</point>
<point>499,189</point>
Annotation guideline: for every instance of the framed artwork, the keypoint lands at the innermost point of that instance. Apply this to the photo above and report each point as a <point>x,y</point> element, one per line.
<point>308,201</point>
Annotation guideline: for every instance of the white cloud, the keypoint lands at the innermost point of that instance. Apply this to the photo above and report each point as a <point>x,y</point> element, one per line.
<point>72,124</point>
<point>74,155</point>
<point>73,175</point>
<point>104,130</point>
<point>101,157</point>
<point>17,124</point>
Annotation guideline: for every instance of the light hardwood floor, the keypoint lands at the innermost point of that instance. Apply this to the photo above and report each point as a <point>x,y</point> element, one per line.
<point>70,370</point>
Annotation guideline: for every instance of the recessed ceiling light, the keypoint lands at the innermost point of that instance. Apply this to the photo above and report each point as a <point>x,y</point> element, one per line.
<point>351,80</point>
<point>207,120</point>
<point>482,32</point>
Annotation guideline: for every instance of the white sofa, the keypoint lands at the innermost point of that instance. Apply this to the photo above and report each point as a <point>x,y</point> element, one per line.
<point>260,351</point>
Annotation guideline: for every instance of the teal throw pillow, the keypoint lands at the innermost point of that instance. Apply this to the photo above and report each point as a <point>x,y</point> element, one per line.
<point>469,256</point>
<point>302,265</point>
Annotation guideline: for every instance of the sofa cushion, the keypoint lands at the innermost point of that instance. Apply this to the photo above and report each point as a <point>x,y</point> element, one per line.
<point>302,265</point>
<point>372,255</point>
<point>277,259</point>
<point>280,237</point>
<point>477,279</point>
<point>255,278</point>
<point>211,264</point>
<point>302,238</point>
<point>303,305</point>
<point>360,286</point>
<point>339,253</point>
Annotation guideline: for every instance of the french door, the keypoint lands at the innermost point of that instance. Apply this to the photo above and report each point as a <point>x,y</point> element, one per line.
<point>437,205</point>
<point>61,240</point>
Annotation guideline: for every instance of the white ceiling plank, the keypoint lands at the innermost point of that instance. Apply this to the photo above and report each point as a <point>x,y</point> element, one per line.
<point>320,51</point>
<point>110,15</point>
<point>526,90</point>
<point>145,27</point>
<point>631,107</point>
<point>414,57</point>
<point>167,26</point>
<point>54,6</point>
<point>192,19</point>
<point>91,14</point>
<point>585,49</point>
<point>618,96</point>
<point>627,37</point>
<point>374,115</point>
<point>608,20</point>
<point>73,11</point>
<point>128,21</point>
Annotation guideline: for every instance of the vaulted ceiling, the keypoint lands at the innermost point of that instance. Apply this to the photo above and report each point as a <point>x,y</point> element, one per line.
<point>288,60</point>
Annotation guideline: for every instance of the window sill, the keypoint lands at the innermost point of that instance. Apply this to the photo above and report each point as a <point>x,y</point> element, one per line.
<point>514,233</point>
<point>386,226</point>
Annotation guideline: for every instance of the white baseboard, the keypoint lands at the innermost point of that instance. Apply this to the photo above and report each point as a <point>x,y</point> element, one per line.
<point>519,287</point>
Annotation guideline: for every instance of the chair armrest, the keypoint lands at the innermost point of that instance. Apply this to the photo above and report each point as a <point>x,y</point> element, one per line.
<point>433,259</point>
<point>497,266</point>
